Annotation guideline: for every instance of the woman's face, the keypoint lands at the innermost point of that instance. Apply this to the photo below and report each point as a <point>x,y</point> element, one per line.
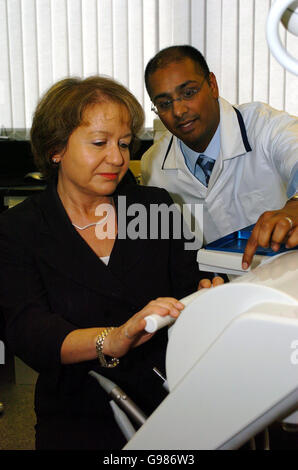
<point>97,154</point>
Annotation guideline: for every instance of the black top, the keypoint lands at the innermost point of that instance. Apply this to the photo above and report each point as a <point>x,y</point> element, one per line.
<point>51,282</point>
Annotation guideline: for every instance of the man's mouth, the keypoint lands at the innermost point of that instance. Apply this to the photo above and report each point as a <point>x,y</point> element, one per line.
<point>187,125</point>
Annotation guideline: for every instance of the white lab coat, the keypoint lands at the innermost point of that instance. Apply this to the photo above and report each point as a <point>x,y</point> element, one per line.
<point>250,175</point>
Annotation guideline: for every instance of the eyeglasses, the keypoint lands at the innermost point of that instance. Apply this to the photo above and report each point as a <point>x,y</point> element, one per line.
<point>163,105</point>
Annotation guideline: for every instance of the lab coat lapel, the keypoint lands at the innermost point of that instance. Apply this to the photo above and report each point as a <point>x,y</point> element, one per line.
<point>174,160</point>
<point>233,138</point>
<point>217,169</point>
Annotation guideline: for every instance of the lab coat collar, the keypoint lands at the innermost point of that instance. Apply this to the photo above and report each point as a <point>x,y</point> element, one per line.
<point>233,136</point>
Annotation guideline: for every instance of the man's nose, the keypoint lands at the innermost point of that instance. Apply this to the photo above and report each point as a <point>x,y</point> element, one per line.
<point>179,107</point>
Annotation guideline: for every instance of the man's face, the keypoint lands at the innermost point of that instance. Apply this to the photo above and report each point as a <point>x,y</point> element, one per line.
<point>194,120</point>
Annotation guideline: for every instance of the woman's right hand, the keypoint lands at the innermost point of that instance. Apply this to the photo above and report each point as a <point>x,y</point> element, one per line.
<point>132,334</point>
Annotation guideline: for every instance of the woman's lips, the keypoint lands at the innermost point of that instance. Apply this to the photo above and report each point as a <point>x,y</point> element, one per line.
<point>109,176</point>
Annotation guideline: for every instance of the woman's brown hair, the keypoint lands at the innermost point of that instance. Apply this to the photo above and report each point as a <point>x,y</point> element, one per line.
<point>61,109</point>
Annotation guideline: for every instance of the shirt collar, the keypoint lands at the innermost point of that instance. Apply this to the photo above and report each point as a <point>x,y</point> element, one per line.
<point>212,151</point>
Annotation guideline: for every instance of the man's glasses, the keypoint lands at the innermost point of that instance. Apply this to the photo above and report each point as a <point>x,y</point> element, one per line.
<point>165,104</point>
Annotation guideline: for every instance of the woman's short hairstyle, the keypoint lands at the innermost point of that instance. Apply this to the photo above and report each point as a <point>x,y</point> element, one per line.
<point>61,110</point>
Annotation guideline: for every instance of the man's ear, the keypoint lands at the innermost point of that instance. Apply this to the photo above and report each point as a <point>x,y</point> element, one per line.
<point>213,85</point>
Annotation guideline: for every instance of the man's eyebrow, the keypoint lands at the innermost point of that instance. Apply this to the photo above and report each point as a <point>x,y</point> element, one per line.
<point>179,87</point>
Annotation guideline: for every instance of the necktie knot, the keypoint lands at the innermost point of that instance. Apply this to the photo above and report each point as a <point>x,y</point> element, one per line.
<point>206,165</point>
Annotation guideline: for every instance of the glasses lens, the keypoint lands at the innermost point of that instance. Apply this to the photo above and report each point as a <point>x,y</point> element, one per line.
<point>163,105</point>
<point>189,93</point>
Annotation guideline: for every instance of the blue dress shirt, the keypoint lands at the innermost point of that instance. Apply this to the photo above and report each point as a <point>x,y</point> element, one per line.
<point>190,156</point>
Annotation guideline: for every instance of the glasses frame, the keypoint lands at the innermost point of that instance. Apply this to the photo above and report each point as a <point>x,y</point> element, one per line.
<point>172,100</point>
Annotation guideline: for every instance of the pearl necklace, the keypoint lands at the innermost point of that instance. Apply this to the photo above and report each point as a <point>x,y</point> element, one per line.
<point>102,221</point>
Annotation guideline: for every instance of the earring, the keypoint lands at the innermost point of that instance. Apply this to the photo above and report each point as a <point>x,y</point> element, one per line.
<point>55,160</point>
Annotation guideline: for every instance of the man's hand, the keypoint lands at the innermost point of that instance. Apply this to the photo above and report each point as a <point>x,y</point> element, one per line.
<point>206,283</point>
<point>272,229</point>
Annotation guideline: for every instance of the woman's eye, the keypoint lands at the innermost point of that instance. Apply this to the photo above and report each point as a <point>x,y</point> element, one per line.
<point>124,145</point>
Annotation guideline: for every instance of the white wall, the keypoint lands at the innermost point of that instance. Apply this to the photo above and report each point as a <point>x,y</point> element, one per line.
<point>45,40</point>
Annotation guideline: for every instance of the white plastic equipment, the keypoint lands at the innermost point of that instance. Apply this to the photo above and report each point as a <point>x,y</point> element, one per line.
<point>232,362</point>
<point>226,262</point>
<point>287,11</point>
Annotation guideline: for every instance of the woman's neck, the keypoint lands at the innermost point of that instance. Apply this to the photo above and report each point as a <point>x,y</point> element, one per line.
<point>80,206</point>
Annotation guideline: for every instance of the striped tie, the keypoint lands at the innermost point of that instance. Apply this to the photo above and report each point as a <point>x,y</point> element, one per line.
<point>206,165</point>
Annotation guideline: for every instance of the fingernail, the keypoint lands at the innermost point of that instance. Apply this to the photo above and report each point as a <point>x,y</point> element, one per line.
<point>179,305</point>
<point>244,265</point>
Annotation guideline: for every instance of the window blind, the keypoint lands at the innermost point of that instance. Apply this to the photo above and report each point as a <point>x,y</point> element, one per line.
<point>43,41</point>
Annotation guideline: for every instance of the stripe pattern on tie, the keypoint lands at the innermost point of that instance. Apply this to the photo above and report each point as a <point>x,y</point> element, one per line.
<point>207,165</point>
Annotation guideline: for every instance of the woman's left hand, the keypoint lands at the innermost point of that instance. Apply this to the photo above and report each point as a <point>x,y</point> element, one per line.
<point>206,283</point>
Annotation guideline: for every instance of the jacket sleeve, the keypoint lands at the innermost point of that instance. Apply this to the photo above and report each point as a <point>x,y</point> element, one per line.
<point>33,332</point>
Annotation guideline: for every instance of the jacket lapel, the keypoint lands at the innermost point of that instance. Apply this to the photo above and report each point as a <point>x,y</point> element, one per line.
<point>133,219</point>
<point>61,247</point>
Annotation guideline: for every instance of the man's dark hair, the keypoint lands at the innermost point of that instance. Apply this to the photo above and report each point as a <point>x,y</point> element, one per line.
<point>175,54</point>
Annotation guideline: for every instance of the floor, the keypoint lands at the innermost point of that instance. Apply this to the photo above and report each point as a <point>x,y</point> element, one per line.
<point>18,419</point>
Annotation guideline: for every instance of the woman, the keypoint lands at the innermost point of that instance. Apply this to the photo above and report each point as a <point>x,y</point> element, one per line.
<point>75,300</point>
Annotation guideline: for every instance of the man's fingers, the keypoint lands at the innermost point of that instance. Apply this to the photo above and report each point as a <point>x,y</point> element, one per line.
<point>251,247</point>
<point>271,230</point>
<point>217,281</point>
<point>292,240</point>
<point>281,231</point>
<point>204,284</point>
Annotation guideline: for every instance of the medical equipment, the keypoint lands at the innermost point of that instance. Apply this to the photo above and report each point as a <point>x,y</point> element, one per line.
<point>231,364</point>
<point>120,397</point>
<point>287,11</point>
<point>225,254</point>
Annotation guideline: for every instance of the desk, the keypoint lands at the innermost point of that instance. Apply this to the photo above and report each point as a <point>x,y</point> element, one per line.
<point>13,195</point>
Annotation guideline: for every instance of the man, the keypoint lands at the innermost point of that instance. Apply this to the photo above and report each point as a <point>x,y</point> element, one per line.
<point>251,170</point>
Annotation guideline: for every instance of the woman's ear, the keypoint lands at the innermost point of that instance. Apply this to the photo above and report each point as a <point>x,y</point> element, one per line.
<point>56,158</point>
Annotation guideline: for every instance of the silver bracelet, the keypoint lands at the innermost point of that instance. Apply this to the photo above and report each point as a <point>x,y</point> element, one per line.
<point>113,361</point>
